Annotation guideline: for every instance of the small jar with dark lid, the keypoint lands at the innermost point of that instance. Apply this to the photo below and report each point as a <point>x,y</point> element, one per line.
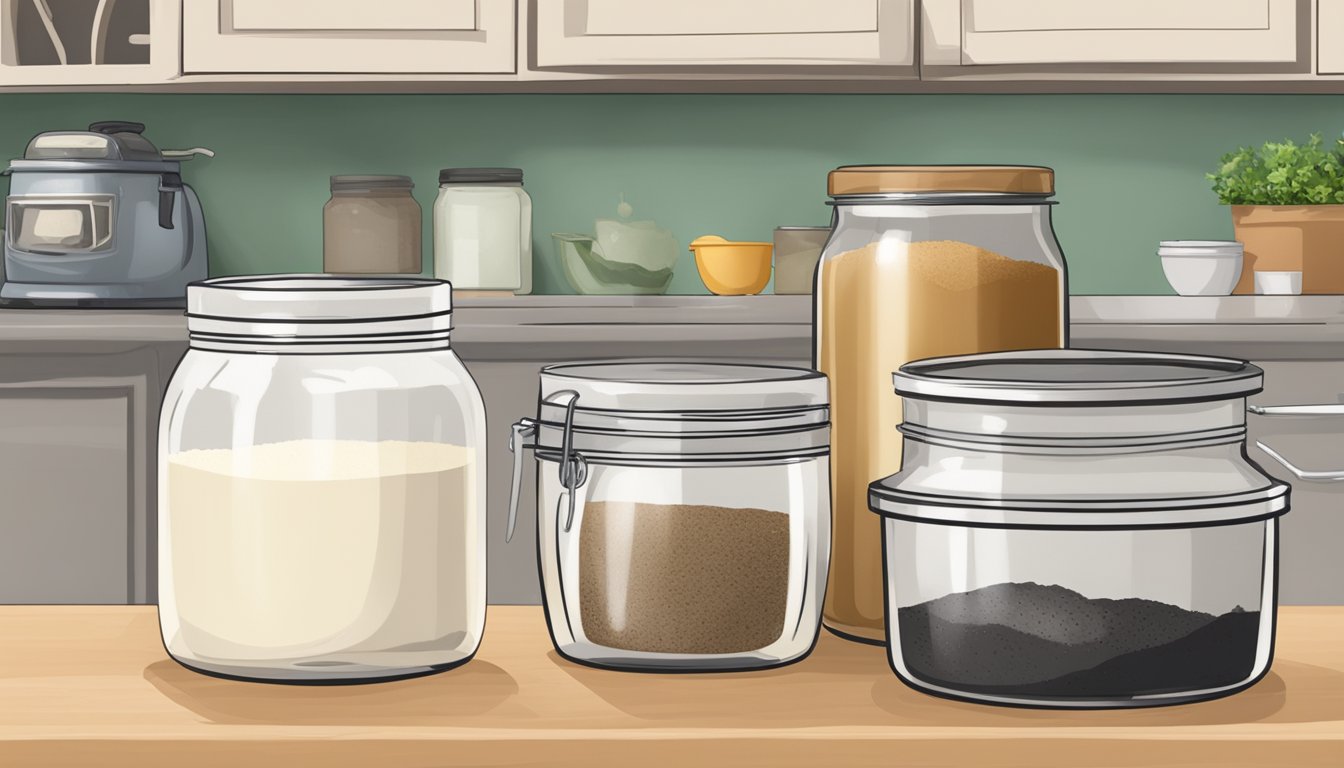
<point>371,225</point>
<point>483,230</point>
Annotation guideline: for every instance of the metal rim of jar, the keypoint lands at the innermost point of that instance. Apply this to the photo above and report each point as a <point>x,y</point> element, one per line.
<point>942,198</point>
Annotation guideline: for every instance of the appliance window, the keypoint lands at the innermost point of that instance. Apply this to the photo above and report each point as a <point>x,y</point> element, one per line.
<point>60,226</point>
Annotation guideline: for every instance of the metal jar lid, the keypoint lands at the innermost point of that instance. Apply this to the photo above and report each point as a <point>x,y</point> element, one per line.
<point>667,412</point>
<point>1077,377</point>
<point>1076,439</point>
<point>481,176</point>
<point>941,179</point>
<point>319,314</point>
<point>371,182</point>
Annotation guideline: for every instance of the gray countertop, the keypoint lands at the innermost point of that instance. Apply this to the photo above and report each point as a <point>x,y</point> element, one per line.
<point>1259,327</point>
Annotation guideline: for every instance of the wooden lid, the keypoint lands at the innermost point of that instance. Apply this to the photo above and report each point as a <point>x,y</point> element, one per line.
<point>882,179</point>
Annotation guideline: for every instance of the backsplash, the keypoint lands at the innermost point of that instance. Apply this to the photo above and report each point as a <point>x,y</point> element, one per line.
<point>1130,168</point>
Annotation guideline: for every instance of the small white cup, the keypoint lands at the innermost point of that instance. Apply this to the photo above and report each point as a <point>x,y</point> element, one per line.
<point>1278,283</point>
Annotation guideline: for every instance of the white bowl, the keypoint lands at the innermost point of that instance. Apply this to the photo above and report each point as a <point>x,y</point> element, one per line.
<point>1201,267</point>
<point>1278,283</point>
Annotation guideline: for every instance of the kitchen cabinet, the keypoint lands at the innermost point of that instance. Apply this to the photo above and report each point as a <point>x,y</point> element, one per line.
<point>349,36</point>
<point>1159,35</point>
<point>82,42</point>
<point>79,410</point>
<point>1330,37</point>
<point>804,35</point>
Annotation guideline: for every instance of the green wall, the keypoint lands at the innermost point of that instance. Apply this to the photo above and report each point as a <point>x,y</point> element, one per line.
<point>1129,167</point>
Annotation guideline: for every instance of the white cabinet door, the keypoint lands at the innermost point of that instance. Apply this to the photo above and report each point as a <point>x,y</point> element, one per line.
<point>349,36</point>
<point>88,42</point>
<point>1330,37</point>
<point>1217,33</point>
<point>691,34</point>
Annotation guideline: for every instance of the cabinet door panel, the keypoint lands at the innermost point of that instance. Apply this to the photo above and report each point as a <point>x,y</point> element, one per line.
<point>1236,35</point>
<point>349,36</point>
<point>704,34</point>
<point>354,15</point>
<point>1330,37</point>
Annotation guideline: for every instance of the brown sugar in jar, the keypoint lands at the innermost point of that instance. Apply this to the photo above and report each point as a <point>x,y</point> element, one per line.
<point>957,260</point>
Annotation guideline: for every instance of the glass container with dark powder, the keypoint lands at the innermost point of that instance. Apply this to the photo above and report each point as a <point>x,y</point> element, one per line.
<point>676,578</point>
<point>1027,639</point>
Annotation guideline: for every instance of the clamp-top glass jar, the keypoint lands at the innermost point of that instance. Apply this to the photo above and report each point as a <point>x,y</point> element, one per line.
<point>924,261</point>
<point>321,483</point>
<point>683,512</point>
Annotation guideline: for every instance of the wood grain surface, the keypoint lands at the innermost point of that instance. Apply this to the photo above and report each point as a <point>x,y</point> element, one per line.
<point>93,686</point>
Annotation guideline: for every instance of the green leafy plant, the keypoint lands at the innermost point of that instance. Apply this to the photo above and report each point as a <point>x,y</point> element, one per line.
<point>1282,173</point>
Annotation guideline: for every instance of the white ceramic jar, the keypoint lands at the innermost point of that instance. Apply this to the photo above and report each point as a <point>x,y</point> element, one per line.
<point>683,512</point>
<point>483,230</point>
<point>1081,529</point>
<point>321,483</point>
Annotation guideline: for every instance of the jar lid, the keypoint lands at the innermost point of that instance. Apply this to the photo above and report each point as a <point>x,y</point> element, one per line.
<point>323,314</point>
<point>1077,377</point>
<point>938,179</point>
<point>673,412</point>
<point>356,183</point>
<point>481,176</point>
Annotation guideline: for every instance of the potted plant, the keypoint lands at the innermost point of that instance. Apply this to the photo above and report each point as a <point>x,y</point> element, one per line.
<point>1287,210</point>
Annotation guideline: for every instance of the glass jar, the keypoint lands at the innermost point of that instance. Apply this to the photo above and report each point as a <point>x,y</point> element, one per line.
<point>683,513</point>
<point>923,261</point>
<point>483,230</point>
<point>321,483</point>
<point>371,225</point>
<point>1081,529</point>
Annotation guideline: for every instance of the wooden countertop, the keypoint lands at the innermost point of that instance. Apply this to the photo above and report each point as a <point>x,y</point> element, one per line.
<point>93,686</point>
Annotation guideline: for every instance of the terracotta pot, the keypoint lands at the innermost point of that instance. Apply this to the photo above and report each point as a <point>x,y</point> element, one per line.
<point>1284,238</point>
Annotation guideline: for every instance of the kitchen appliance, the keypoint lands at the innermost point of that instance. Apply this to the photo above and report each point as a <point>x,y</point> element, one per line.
<point>101,218</point>
<point>682,512</point>
<point>322,504</point>
<point>1080,529</point>
<point>924,261</point>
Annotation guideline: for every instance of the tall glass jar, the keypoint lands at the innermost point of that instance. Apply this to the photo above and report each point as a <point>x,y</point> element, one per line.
<point>321,483</point>
<point>371,225</point>
<point>923,261</point>
<point>483,230</point>
<point>682,512</point>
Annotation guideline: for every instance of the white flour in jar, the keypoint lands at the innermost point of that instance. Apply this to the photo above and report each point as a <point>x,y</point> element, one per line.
<point>326,552</point>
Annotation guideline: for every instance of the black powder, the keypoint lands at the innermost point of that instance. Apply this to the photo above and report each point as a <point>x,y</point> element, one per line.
<point>1048,641</point>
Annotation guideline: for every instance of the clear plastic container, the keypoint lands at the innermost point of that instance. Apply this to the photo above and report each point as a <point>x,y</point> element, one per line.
<point>1079,529</point>
<point>923,261</point>
<point>371,225</point>
<point>321,483</point>
<point>683,512</point>
<point>483,230</point>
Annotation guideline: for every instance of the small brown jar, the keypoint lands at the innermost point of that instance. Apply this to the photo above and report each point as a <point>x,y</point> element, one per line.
<point>371,225</point>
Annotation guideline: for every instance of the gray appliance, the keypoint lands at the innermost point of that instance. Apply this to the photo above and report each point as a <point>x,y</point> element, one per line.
<point>101,218</point>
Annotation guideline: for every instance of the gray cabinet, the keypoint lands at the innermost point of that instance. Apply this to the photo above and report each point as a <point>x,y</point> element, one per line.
<point>77,448</point>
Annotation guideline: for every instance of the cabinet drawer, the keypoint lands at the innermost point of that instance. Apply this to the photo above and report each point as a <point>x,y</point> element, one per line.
<point>349,36</point>
<point>1218,33</point>
<point>581,34</point>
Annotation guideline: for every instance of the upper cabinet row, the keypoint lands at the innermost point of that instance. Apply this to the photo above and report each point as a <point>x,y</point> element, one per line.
<point>130,42</point>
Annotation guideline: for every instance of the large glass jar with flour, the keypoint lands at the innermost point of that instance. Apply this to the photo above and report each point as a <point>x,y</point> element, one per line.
<point>321,483</point>
<point>924,261</point>
<point>682,512</point>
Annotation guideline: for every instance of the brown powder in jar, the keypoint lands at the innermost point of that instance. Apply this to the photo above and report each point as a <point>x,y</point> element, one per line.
<point>880,308</point>
<point>673,578</point>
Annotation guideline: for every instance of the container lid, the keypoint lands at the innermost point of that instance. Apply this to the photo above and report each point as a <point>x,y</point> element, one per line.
<point>106,146</point>
<point>481,176</point>
<point>673,411</point>
<point>356,183</point>
<point>320,314</point>
<point>1077,377</point>
<point>1223,248</point>
<point>939,179</point>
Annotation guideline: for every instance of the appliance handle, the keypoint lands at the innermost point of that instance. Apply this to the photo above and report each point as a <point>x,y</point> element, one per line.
<point>169,185</point>
<point>1320,409</point>
<point>110,127</point>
